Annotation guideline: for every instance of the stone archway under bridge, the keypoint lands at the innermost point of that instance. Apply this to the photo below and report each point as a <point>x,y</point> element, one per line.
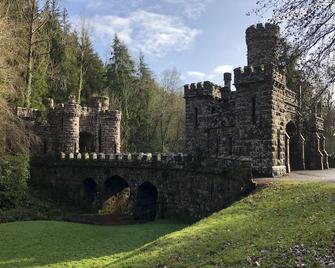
<point>175,187</point>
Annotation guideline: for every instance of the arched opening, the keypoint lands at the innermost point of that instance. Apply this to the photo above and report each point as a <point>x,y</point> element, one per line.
<point>89,192</point>
<point>146,202</point>
<point>115,196</point>
<point>292,147</point>
<point>86,142</point>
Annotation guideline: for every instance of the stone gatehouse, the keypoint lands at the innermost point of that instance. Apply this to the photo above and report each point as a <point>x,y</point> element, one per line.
<point>260,119</point>
<point>72,128</point>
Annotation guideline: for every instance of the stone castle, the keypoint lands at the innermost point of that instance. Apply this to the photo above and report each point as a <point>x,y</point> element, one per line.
<point>71,128</point>
<point>230,135</point>
<point>260,119</point>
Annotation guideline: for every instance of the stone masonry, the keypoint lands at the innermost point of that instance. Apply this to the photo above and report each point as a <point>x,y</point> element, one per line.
<point>160,185</point>
<point>260,119</point>
<point>71,128</point>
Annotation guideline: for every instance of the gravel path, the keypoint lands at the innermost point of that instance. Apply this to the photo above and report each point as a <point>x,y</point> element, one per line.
<point>327,175</point>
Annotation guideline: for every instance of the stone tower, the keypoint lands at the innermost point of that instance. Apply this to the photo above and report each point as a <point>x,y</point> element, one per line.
<point>70,126</point>
<point>200,101</point>
<point>260,102</point>
<point>263,43</point>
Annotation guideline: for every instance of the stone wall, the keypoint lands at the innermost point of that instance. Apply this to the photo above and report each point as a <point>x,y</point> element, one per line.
<point>185,188</point>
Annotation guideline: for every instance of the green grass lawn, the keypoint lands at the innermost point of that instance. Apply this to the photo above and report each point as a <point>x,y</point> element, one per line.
<point>282,225</point>
<point>61,244</point>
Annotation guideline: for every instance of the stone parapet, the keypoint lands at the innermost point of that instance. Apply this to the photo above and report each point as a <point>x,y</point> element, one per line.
<point>28,113</point>
<point>205,88</point>
<point>178,160</point>
<point>260,73</point>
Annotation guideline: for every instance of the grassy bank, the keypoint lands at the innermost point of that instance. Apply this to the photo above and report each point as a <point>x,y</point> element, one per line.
<point>61,244</point>
<point>285,225</point>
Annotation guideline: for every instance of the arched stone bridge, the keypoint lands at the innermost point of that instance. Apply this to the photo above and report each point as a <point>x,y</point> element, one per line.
<point>159,185</point>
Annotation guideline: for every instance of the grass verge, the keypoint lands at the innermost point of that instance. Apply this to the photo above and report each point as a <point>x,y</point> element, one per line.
<point>284,225</point>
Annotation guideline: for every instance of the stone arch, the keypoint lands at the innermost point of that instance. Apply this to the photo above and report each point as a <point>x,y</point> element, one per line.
<point>146,202</point>
<point>115,194</point>
<point>294,151</point>
<point>89,192</point>
<point>86,142</point>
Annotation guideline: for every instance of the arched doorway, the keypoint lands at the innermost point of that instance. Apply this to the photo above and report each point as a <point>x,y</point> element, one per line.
<point>89,192</point>
<point>115,196</point>
<point>86,142</point>
<point>292,146</point>
<point>146,205</point>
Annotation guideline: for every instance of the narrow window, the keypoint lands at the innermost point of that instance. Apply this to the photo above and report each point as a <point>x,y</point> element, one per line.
<point>319,109</point>
<point>100,145</point>
<point>45,147</point>
<point>196,119</point>
<point>230,146</point>
<point>253,110</point>
<point>217,146</point>
<point>278,146</point>
<point>62,123</point>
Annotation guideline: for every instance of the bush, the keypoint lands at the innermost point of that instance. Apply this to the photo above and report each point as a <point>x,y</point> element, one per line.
<point>117,204</point>
<point>14,175</point>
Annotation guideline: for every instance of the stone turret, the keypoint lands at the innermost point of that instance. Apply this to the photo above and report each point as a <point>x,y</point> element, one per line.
<point>70,126</point>
<point>98,102</point>
<point>263,43</point>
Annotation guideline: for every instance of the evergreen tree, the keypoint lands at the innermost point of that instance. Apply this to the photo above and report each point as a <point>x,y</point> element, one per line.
<point>121,81</point>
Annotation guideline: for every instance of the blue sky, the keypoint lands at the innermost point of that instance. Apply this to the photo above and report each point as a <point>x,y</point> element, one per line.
<point>201,38</point>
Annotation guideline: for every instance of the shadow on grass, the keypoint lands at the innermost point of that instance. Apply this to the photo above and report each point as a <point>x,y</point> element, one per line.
<point>26,244</point>
<point>265,225</point>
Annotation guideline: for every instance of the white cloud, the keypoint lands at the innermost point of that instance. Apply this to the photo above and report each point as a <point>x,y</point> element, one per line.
<point>223,69</point>
<point>216,75</point>
<point>191,8</point>
<point>155,34</point>
<point>197,75</point>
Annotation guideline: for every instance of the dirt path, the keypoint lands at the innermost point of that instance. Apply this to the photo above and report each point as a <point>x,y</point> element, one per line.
<point>327,175</point>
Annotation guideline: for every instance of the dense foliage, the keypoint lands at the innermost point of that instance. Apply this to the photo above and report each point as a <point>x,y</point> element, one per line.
<point>14,174</point>
<point>42,57</point>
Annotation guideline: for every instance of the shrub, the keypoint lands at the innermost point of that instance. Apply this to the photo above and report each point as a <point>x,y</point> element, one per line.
<point>14,175</point>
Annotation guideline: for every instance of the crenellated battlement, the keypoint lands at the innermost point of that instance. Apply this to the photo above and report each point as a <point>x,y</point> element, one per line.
<point>205,88</point>
<point>127,157</point>
<point>114,114</point>
<point>268,27</point>
<point>260,73</point>
<point>28,113</point>
<point>177,160</point>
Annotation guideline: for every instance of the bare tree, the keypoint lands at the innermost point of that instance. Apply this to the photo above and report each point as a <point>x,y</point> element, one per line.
<point>10,126</point>
<point>310,25</point>
<point>170,111</point>
<point>33,19</point>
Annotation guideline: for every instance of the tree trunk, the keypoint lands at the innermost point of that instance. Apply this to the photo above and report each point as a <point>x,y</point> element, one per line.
<point>29,74</point>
